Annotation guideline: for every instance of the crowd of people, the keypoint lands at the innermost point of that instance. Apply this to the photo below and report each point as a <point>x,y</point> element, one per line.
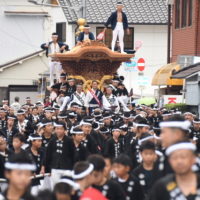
<point>97,145</point>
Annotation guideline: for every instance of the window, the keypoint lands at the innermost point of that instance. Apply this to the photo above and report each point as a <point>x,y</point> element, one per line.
<point>177,14</point>
<point>61,31</point>
<point>184,13</point>
<point>128,39</point>
<point>190,12</point>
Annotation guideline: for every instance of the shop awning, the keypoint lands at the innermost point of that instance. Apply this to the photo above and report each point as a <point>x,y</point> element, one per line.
<point>163,75</point>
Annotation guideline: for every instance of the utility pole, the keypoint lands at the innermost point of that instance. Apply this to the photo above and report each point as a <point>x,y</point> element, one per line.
<point>170,4</point>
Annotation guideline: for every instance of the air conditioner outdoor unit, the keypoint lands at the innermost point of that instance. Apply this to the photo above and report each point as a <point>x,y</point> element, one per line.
<point>185,60</point>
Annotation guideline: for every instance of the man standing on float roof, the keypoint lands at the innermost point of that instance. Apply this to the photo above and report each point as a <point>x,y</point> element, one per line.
<point>119,23</point>
<point>51,48</point>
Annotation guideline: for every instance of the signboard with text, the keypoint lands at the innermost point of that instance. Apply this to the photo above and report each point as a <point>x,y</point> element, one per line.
<point>136,64</point>
<point>172,99</point>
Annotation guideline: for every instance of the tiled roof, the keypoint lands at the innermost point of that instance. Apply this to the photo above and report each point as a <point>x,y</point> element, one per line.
<point>187,71</point>
<point>138,11</point>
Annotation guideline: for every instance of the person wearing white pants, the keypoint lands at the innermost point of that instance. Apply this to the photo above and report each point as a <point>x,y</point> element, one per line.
<point>54,47</point>
<point>55,69</point>
<point>118,32</point>
<point>119,23</point>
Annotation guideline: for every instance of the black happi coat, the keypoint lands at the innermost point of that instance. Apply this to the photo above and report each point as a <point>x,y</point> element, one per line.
<point>113,149</point>
<point>90,144</point>
<point>167,189</point>
<point>3,159</point>
<point>111,190</point>
<point>146,178</point>
<point>99,140</point>
<point>39,159</point>
<point>134,152</point>
<point>9,134</point>
<point>80,153</point>
<point>155,120</point>
<point>26,196</point>
<point>126,140</point>
<point>132,189</point>
<point>45,141</point>
<point>60,154</point>
<point>3,123</point>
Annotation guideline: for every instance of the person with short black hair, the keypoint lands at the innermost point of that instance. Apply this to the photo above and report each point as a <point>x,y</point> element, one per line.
<point>184,183</point>
<point>119,23</point>
<point>122,167</point>
<point>54,47</point>
<point>93,98</point>
<point>81,152</point>
<point>174,130</point>
<point>142,129</point>
<point>59,153</point>
<point>4,154</point>
<point>16,105</point>
<point>147,173</point>
<point>114,146</point>
<point>82,175</point>
<point>18,170</point>
<point>62,191</point>
<point>24,125</point>
<point>78,96</point>
<point>3,118</point>
<point>37,153</point>
<point>10,130</point>
<point>88,140</point>
<point>18,142</point>
<point>85,35</point>
<point>48,132</point>
<point>45,195</point>
<point>110,101</point>
<point>34,117</point>
<point>109,188</point>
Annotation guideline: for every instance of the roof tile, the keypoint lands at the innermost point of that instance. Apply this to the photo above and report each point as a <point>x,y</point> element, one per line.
<point>138,11</point>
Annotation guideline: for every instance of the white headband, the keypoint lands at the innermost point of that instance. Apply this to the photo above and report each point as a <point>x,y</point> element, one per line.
<point>62,117</point>
<point>159,153</point>
<point>20,166</point>
<point>104,131</point>
<point>156,137</point>
<point>22,113</point>
<point>57,125</point>
<point>40,124</point>
<point>116,129</point>
<point>30,138</point>
<point>188,113</point>
<point>168,114</point>
<point>185,125</point>
<point>11,117</point>
<point>76,132</point>
<point>84,173</point>
<point>45,124</point>
<point>85,123</point>
<point>142,125</point>
<point>179,146</point>
<point>196,122</point>
<point>107,117</point>
<point>145,139</point>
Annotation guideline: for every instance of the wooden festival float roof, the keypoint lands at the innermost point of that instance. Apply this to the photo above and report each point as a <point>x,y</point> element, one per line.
<point>92,60</point>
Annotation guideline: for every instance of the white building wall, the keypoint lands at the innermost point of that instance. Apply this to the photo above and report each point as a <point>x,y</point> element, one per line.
<point>19,35</point>
<point>154,51</point>
<point>25,73</point>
